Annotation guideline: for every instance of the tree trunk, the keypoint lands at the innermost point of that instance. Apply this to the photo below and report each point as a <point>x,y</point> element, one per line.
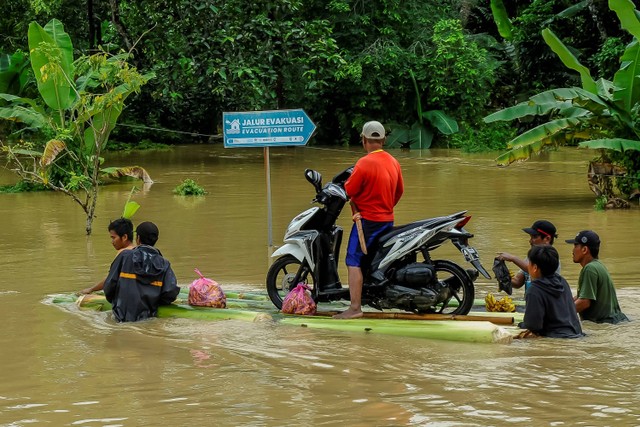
<point>91,212</point>
<point>595,9</point>
<point>466,6</point>
<point>115,18</point>
<point>600,178</point>
<point>92,26</point>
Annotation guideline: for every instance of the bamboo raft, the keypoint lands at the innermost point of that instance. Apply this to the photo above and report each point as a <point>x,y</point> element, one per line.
<point>477,326</point>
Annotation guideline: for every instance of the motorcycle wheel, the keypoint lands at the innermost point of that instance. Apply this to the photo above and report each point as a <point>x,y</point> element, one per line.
<point>281,278</point>
<point>462,289</point>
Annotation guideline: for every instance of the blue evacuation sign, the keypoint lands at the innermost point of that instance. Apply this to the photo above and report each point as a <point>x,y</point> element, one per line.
<point>274,128</point>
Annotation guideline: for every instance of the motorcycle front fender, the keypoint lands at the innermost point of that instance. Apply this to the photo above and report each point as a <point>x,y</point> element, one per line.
<point>290,249</point>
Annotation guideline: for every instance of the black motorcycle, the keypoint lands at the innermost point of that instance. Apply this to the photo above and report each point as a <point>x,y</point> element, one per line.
<point>393,276</point>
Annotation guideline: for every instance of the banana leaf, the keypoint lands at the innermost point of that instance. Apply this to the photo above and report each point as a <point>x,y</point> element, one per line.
<point>18,99</point>
<point>535,141</point>
<point>571,11</point>
<point>51,151</point>
<point>99,303</point>
<point>441,121</point>
<point>53,78</point>
<point>615,144</point>
<point>626,81</point>
<point>130,209</point>
<point>627,14</point>
<point>248,296</point>
<point>130,171</point>
<point>102,124</point>
<point>501,18</point>
<point>398,136</point>
<point>563,100</point>
<point>105,117</point>
<point>13,75</point>
<point>577,96</point>
<point>27,116</point>
<point>526,109</point>
<point>605,89</point>
<point>25,152</point>
<point>419,136</point>
<point>541,132</point>
<point>569,60</point>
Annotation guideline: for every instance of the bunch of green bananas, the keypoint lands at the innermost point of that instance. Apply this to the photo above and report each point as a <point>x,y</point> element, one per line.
<point>505,304</point>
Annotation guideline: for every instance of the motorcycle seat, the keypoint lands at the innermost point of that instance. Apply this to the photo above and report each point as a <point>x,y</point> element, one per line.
<point>431,222</point>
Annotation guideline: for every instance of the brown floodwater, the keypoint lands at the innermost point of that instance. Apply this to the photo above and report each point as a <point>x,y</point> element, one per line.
<point>61,366</point>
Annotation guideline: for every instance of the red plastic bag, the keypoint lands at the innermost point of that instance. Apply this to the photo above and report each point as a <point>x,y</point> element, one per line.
<point>205,292</point>
<point>299,301</point>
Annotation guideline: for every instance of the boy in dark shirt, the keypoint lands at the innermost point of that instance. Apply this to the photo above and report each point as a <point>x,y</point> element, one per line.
<point>140,279</point>
<point>121,232</point>
<point>550,308</point>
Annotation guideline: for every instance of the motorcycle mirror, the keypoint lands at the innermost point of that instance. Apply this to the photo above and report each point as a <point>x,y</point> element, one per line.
<point>315,178</point>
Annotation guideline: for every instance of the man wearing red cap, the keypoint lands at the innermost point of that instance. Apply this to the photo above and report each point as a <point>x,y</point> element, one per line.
<point>596,299</point>
<point>375,187</point>
<point>542,232</point>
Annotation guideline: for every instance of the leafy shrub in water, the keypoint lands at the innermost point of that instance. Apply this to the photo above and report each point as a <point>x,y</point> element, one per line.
<point>189,188</point>
<point>22,187</point>
<point>145,144</point>
<point>482,137</point>
<point>601,203</point>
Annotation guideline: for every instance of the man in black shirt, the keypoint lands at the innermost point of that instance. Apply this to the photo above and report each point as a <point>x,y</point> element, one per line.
<point>140,279</point>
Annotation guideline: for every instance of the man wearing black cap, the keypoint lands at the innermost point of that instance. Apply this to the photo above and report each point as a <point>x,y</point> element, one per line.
<point>140,279</point>
<point>542,232</point>
<point>596,299</point>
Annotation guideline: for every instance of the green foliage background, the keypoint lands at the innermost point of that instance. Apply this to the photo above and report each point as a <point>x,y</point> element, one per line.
<point>343,61</point>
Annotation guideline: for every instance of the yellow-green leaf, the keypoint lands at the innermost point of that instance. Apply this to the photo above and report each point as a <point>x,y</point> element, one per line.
<point>132,171</point>
<point>51,151</point>
<point>130,209</point>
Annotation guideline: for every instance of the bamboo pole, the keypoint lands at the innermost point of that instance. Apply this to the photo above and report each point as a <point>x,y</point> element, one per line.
<point>497,320</point>
<point>447,330</point>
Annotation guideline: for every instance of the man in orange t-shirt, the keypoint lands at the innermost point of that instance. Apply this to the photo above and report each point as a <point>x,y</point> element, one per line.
<point>375,187</point>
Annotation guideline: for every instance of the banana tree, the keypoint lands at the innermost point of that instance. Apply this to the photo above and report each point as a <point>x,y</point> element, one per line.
<point>14,75</point>
<point>601,114</point>
<point>420,134</point>
<point>82,102</point>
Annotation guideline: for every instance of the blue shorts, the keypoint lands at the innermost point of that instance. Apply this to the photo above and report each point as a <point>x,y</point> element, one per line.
<point>371,230</point>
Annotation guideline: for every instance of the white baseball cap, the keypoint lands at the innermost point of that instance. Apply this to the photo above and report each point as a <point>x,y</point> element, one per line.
<point>373,130</point>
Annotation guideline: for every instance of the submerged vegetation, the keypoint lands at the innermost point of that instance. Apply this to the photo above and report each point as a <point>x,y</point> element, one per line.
<point>189,187</point>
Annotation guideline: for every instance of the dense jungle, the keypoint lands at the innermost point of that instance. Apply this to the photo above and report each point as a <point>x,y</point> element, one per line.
<point>518,77</point>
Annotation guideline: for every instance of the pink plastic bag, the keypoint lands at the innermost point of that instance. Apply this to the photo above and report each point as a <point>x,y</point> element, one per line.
<point>299,301</point>
<point>205,292</point>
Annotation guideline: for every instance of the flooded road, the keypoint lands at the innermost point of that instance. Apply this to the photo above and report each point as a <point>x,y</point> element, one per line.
<point>62,366</point>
